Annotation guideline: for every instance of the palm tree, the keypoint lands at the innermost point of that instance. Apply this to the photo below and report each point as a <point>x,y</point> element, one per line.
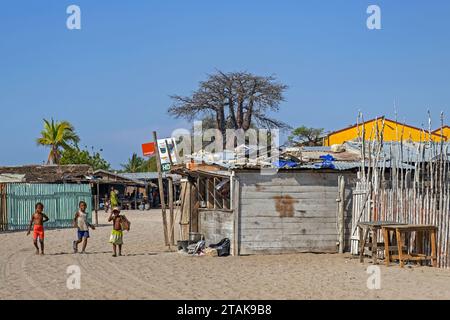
<point>134,164</point>
<point>57,135</point>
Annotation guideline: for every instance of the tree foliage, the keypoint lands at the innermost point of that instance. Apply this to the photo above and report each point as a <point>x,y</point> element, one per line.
<point>76,156</point>
<point>139,164</point>
<point>233,100</point>
<point>58,135</point>
<point>305,136</point>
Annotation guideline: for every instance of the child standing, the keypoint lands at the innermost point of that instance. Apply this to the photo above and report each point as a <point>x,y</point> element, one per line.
<point>117,233</point>
<point>80,221</point>
<point>37,219</point>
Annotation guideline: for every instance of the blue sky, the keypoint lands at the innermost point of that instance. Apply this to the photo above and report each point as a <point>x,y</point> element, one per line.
<point>112,78</point>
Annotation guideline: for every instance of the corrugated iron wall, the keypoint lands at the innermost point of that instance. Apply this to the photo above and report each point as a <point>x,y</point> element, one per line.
<point>60,203</point>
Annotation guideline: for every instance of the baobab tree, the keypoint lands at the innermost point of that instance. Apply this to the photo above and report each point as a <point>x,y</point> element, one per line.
<point>235,100</point>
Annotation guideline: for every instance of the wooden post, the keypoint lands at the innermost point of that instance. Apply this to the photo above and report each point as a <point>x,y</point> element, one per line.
<point>171,212</point>
<point>236,208</point>
<point>136,190</point>
<point>210,193</point>
<point>3,217</point>
<point>341,219</point>
<point>400,247</point>
<point>97,200</point>
<point>375,245</point>
<point>387,256</point>
<point>433,248</point>
<point>361,243</point>
<point>161,190</point>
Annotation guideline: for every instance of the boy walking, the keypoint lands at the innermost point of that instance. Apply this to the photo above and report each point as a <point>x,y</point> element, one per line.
<point>80,221</point>
<point>37,219</point>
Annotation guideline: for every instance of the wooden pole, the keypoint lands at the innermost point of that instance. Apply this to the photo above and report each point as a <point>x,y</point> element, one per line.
<point>136,190</point>
<point>236,208</point>
<point>341,219</point>
<point>97,199</point>
<point>171,212</point>
<point>161,190</point>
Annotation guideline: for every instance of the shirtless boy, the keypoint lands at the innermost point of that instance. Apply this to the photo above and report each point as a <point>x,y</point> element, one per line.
<point>37,219</point>
<point>116,237</point>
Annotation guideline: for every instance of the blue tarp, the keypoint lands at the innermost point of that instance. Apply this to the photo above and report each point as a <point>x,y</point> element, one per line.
<point>285,164</point>
<point>327,162</point>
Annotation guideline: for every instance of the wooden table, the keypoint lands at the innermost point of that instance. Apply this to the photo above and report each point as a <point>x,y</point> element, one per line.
<point>404,229</point>
<point>372,228</point>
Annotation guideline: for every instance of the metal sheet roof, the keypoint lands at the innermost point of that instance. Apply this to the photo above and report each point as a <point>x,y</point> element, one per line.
<point>148,175</point>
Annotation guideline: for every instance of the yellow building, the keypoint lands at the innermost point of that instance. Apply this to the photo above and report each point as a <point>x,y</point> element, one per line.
<point>393,131</point>
<point>445,132</point>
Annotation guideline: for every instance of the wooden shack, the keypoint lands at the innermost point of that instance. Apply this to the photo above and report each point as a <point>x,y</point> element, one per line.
<point>290,211</point>
<point>59,188</point>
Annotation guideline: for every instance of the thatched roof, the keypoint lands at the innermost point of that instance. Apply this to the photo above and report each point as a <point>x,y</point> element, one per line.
<point>50,173</point>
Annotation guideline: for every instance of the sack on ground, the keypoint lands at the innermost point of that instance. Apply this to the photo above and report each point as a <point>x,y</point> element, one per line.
<point>223,247</point>
<point>197,248</point>
<point>210,252</point>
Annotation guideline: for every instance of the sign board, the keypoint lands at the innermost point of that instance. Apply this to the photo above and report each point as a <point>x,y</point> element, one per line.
<point>167,153</point>
<point>165,167</point>
<point>148,149</point>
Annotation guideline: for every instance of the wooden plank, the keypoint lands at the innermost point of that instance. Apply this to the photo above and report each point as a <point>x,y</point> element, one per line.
<point>277,251</point>
<point>311,228</point>
<point>386,246</point>
<point>296,219</point>
<point>316,226</point>
<point>210,193</point>
<point>341,214</point>
<point>289,179</point>
<point>269,205</point>
<point>287,239</point>
<point>400,246</point>
<point>236,206</point>
<point>433,248</point>
<point>253,191</point>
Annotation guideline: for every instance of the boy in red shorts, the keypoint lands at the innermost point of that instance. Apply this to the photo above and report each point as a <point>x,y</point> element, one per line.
<point>38,218</point>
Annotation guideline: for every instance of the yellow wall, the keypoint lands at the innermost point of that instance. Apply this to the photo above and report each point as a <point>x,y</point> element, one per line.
<point>446,132</point>
<point>390,133</point>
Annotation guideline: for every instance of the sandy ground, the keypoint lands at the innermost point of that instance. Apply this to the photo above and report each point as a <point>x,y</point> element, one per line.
<point>149,271</point>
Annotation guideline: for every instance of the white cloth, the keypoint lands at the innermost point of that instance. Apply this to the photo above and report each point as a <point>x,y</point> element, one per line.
<point>82,222</point>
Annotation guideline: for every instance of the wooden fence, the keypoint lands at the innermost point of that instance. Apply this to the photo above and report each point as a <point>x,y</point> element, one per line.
<point>408,185</point>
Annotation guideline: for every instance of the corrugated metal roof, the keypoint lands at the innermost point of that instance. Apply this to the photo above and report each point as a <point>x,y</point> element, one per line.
<point>349,165</point>
<point>316,149</point>
<point>408,151</point>
<point>148,175</point>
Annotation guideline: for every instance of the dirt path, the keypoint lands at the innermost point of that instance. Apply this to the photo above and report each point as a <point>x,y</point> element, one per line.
<point>149,271</point>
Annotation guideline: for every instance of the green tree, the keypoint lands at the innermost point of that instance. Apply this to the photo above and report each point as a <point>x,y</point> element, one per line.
<point>57,136</point>
<point>139,164</point>
<point>150,164</point>
<point>134,164</point>
<point>304,136</point>
<point>76,156</point>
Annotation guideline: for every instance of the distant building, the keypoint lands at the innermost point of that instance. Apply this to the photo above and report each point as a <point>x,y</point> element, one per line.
<point>393,131</point>
<point>445,132</point>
